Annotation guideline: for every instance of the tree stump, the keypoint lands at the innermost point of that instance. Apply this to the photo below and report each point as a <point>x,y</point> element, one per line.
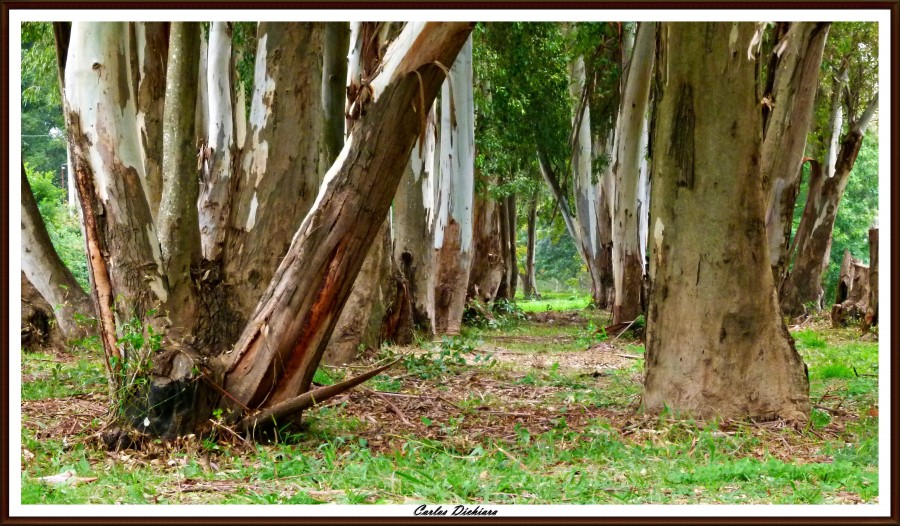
<point>852,297</point>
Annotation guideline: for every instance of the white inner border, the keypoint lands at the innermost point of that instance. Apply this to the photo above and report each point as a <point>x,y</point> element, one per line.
<point>882,17</point>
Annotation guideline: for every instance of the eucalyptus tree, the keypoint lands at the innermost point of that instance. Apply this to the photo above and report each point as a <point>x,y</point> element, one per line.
<point>246,330</point>
<point>716,342</point>
<point>845,113</point>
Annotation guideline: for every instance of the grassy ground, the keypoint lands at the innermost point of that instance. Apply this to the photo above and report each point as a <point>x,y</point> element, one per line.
<point>543,410</point>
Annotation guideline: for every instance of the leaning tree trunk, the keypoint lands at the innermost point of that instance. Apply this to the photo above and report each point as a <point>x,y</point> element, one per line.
<point>48,274</point>
<point>716,344</point>
<point>628,265</point>
<point>375,291</point>
<point>788,109</point>
<point>276,356</point>
<point>453,229</point>
<point>811,248</point>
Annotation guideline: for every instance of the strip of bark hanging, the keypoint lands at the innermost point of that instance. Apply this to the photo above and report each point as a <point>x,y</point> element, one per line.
<point>309,399</point>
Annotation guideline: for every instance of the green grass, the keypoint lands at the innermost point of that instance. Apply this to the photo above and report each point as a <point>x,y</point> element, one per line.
<point>551,301</point>
<point>587,446</point>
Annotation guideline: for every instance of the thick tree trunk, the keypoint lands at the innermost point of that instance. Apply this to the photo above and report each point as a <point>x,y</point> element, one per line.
<point>788,108</point>
<point>716,344</point>
<point>179,234</point>
<point>605,292</point>
<point>334,85</point>
<point>48,274</point>
<point>628,264</point>
<point>487,258</point>
<point>413,250</point>
<point>359,324</point>
<point>503,286</point>
<point>276,356</point>
<point>283,159</point>
<point>811,248</point>
<point>453,229</point>
<point>530,285</point>
<point>109,172</point>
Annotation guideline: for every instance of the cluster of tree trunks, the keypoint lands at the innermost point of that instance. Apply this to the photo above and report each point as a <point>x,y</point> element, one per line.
<point>246,273</point>
<point>262,243</point>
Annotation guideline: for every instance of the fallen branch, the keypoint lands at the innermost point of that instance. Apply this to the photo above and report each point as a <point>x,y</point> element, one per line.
<point>390,405</point>
<point>831,410</point>
<point>631,356</point>
<point>308,399</point>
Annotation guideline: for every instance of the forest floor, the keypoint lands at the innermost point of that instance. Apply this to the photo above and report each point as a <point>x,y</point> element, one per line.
<point>532,408</point>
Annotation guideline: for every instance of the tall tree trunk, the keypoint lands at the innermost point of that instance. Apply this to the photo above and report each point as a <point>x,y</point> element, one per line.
<point>453,231</point>
<point>503,286</point>
<point>150,43</point>
<point>605,291</point>
<point>283,160</point>
<point>530,285</point>
<point>512,264</point>
<point>219,144</point>
<point>413,250</point>
<point>716,344</point>
<point>487,258</point>
<point>109,168</point>
<point>788,109</point>
<point>276,356</point>
<point>811,248</point>
<point>179,234</point>
<point>871,317</point>
<point>628,265</point>
<point>48,274</point>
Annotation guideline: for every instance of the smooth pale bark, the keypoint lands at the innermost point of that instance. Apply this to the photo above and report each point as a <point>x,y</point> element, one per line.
<point>530,285</point>
<point>150,43</point>
<point>794,78</point>
<point>413,249</point>
<point>628,264</point>
<point>47,273</point>
<point>106,148</point>
<point>487,259</point>
<point>453,229</point>
<point>179,234</point>
<point>282,160</point>
<point>587,192</point>
<point>716,343</point>
<point>219,143</point>
<point>276,356</point>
